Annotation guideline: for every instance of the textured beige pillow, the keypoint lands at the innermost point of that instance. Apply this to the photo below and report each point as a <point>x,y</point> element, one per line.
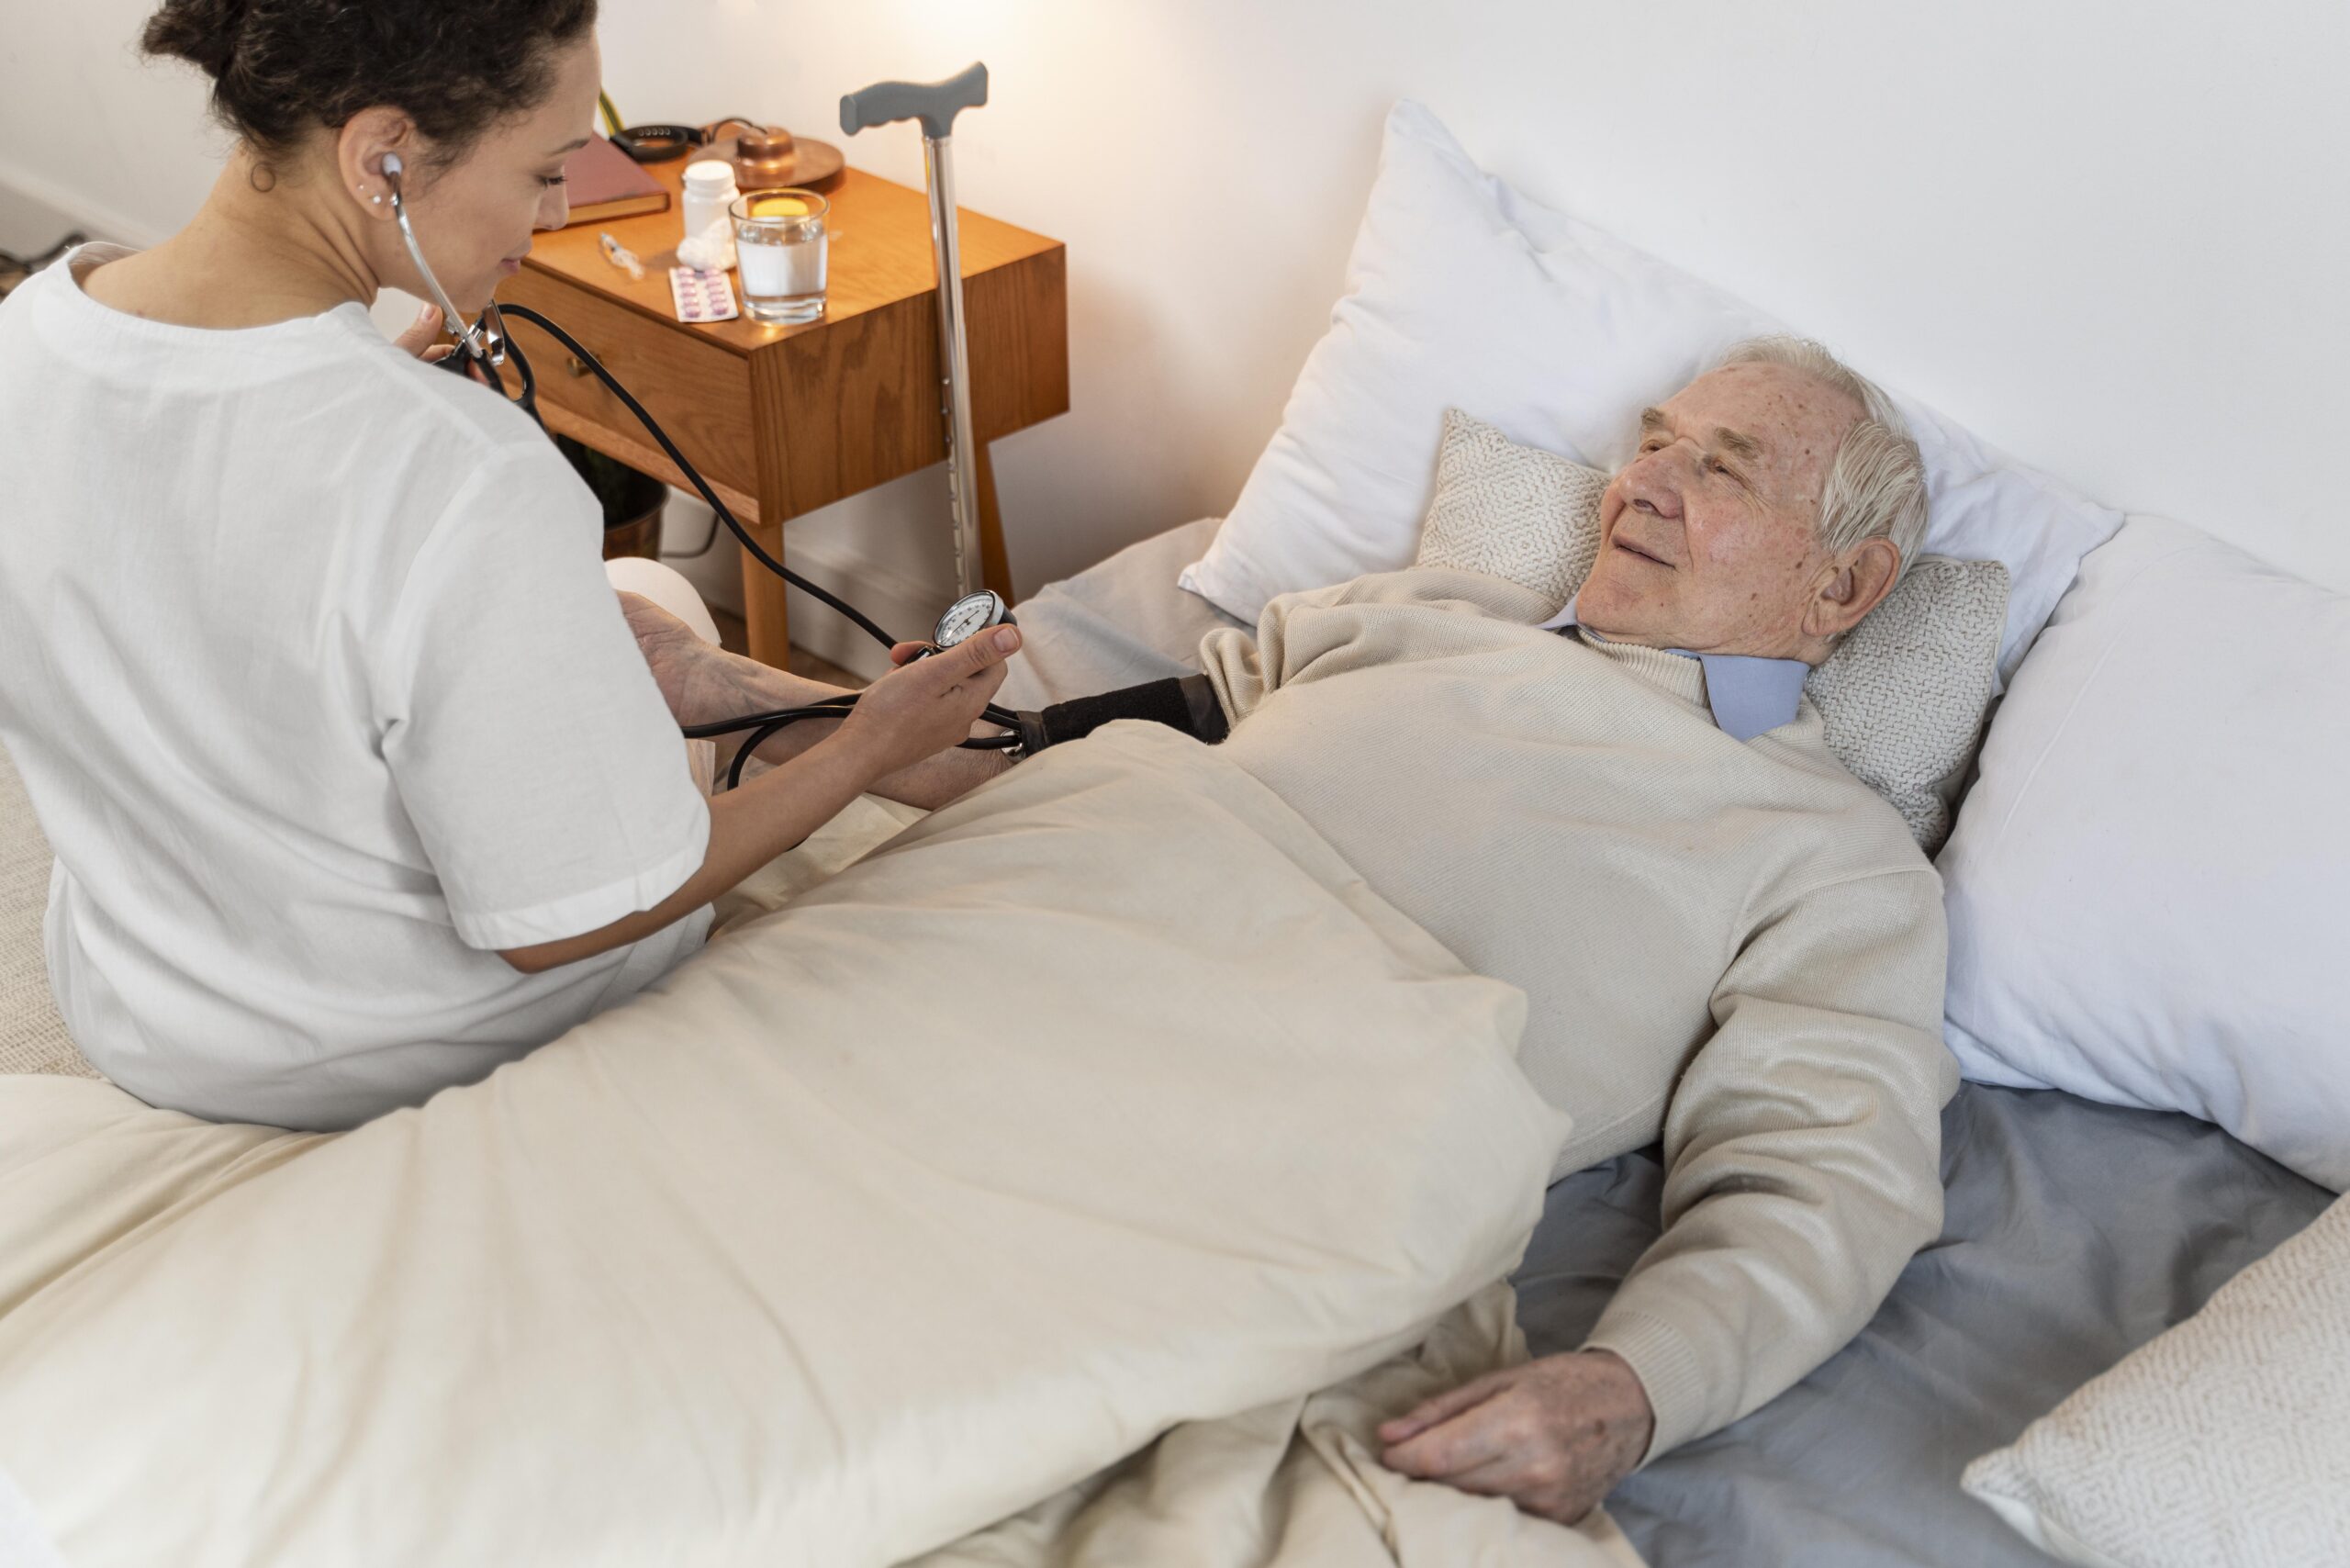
<point>1903,694</point>
<point>1516,512</point>
<point>2225,1441</point>
<point>32,1036</point>
<point>1902,697</point>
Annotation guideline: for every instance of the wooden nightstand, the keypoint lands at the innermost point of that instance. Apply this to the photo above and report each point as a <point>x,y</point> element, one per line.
<point>784,419</point>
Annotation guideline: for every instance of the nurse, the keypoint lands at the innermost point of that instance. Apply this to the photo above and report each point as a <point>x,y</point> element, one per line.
<point>358,782</point>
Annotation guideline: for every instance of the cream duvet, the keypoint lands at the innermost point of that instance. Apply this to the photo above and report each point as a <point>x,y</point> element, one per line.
<point>1106,1101</point>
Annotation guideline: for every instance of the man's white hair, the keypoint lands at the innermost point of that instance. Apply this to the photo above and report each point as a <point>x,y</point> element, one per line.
<point>1876,485</point>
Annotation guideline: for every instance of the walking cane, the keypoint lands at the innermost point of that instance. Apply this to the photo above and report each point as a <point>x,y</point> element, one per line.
<point>936,104</point>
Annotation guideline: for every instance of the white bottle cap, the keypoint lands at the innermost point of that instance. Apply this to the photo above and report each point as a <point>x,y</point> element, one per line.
<point>710,177</point>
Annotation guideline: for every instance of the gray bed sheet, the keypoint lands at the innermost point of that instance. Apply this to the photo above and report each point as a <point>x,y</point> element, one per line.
<point>2074,1233</point>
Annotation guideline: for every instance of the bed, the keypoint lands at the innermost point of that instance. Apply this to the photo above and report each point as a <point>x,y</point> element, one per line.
<point>2074,1233</point>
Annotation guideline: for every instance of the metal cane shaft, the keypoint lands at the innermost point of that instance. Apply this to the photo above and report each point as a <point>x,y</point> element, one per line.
<point>954,363</point>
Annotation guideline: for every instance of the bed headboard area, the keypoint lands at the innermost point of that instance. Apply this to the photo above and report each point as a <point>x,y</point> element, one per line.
<point>2106,236</point>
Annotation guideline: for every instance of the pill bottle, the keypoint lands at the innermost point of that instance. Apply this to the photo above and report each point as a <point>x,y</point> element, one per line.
<point>709,187</point>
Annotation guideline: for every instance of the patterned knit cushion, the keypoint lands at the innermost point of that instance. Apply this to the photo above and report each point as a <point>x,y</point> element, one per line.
<point>2226,1440</point>
<point>1902,697</point>
<point>32,1036</point>
<point>1516,512</point>
<point>1903,694</point>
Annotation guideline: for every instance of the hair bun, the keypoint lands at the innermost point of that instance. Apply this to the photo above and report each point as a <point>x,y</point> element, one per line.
<point>201,31</point>
<point>283,69</point>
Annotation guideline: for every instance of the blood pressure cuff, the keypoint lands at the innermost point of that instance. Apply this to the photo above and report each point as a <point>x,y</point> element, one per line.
<point>1187,703</point>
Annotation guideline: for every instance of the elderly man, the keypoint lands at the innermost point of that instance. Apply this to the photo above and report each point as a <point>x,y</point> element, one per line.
<point>1771,506</point>
<point>1627,809</point>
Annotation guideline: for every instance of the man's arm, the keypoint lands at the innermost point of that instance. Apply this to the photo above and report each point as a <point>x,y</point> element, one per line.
<point>1803,1154</point>
<point>1372,620</point>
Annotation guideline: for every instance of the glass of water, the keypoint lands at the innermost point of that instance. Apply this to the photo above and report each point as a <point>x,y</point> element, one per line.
<point>779,254</point>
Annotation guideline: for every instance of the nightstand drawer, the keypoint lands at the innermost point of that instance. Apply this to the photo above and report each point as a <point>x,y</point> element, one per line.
<point>699,391</point>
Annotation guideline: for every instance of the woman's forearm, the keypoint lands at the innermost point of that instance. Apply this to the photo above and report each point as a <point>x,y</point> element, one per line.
<point>899,725</point>
<point>755,688</point>
<point>748,827</point>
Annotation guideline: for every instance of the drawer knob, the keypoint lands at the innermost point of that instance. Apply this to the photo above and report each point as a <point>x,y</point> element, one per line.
<point>576,368</point>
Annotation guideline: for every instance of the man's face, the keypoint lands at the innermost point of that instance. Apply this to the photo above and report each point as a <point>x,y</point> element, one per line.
<point>1708,537</point>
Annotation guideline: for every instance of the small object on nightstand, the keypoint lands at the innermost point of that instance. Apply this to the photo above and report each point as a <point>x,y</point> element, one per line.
<point>770,158</point>
<point>780,246</point>
<point>620,256</point>
<point>701,296</point>
<point>709,186</point>
<point>604,185</point>
<point>713,250</point>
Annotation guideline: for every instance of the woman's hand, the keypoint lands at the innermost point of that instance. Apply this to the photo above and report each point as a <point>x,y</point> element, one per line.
<point>921,708</point>
<point>418,338</point>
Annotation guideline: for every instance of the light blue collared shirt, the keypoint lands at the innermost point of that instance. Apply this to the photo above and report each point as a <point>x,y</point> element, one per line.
<point>1748,696</point>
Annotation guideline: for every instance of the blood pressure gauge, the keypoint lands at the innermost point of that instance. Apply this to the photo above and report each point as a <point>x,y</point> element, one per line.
<point>965,619</point>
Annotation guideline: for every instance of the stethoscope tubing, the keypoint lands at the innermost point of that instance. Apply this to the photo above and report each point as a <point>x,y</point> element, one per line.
<point>767,723</point>
<point>485,344</point>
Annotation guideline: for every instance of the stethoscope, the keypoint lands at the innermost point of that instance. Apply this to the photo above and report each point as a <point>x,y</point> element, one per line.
<point>484,347</point>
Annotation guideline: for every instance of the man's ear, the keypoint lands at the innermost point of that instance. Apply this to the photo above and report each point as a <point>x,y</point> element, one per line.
<point>1855,583</point>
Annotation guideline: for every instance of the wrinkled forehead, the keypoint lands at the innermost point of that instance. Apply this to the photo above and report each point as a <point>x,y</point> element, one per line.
<point>1785,418</point>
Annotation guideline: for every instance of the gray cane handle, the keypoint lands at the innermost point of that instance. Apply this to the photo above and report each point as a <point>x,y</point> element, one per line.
<point>935,103</point>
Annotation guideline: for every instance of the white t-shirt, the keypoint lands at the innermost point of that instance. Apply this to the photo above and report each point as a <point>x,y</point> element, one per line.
<point>308,662</point>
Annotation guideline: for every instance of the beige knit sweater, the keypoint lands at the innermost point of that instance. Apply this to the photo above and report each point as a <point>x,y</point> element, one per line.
<point>1734,947</point>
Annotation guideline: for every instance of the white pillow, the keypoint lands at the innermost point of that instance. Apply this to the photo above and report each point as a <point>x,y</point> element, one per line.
<point>2149,888</point>
<point>2226,1440</point>
<point>1901,700</point>
<point>1460,292</point>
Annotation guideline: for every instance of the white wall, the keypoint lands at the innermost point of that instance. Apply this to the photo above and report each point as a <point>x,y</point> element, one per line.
<point>2110,235</point>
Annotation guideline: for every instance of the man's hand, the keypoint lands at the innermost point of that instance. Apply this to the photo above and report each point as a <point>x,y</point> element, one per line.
<point>693,675</point>
<point>1554,1436</point>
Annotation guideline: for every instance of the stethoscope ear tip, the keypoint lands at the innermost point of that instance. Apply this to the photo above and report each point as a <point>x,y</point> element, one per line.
<point>484,341</point>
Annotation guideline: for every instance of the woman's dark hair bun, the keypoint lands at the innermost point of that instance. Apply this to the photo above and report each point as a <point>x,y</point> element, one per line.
<point>204,32</point>
<point>281,67</point>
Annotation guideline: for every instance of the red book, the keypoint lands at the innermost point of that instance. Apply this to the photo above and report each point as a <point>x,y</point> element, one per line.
<point>604,183</point>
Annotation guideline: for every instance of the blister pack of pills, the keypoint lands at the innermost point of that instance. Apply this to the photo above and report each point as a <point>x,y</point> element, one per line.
<point>702,295</point>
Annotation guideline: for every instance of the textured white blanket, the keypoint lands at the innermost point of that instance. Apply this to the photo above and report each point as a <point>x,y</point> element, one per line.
<point>1106,1100</point>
